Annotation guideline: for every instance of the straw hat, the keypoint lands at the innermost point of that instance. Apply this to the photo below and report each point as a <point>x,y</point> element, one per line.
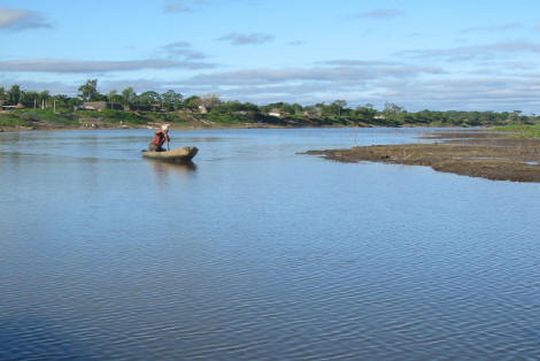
<point>165,127</point>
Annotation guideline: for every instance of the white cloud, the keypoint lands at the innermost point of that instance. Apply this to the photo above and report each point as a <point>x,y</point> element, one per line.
<point>380,14</point>
<point>492,28</point>
<point>323,74</point>
<point>246,39</point>
<point>183,49</point>
<point>84,66</point>
<point>15,19</point>
<point>182,6</point>
<point>296,43</point>
<point>487,51</point>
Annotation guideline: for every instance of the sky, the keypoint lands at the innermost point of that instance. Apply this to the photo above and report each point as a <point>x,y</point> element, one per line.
<point>420,54</point>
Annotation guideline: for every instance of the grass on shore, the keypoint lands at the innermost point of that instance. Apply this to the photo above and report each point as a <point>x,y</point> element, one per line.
<point>26,118</point>
<point>38,117</point>
<point>521,130</point>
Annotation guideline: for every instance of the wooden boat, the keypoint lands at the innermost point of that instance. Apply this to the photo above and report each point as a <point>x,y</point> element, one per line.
<point>178,155</point>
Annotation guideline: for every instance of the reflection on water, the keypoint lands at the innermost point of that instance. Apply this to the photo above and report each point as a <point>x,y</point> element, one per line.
<point>165,167</point>
<point>167,174</point>
<point>258,252</point>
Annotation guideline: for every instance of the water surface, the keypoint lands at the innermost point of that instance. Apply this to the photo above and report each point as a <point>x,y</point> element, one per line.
<point>259,252</point>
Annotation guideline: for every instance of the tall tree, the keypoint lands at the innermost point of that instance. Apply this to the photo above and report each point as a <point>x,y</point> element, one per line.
<point>15,94</point>
<point>210,101</point>
<point>365,113</point>
<point>44,97</point>
<point>171,100</point>
<point>193,102</point>
<point>128,96</point>
<point>29,98</point>
<point>88,91</point>
<point>113,98</point>
<point>394,114</point>
<point>339,105</point>
<point>149,100</point>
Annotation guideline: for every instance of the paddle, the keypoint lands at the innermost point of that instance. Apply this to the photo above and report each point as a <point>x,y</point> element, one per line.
<point>165,129</point>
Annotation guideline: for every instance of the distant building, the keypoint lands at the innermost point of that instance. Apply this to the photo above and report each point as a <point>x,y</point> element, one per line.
<point>11,107</point>
<point>99,106</point>
<point>275,113</point>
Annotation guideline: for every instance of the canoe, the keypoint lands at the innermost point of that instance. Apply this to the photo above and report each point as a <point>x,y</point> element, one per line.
<point>178,155</point>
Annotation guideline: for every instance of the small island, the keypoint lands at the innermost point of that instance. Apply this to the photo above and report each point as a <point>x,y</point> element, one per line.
<point>513,156</point>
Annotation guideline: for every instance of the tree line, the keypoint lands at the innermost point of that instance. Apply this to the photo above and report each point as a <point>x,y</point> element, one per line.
<point>214,108</point>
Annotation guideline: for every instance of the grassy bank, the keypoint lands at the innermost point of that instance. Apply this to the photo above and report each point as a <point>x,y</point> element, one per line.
<point>222,117</point>
<point>522,131</point>
<point>46,119</point>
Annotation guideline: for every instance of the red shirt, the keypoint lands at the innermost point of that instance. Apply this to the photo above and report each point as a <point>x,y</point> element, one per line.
<point>160,137</point>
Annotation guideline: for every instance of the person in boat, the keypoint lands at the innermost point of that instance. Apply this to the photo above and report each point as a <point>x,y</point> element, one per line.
<point>160,137</point>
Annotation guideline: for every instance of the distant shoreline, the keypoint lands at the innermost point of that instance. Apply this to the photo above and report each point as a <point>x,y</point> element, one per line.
<point>50,126</point>
<point>489,155</point>
<point>101,126</point>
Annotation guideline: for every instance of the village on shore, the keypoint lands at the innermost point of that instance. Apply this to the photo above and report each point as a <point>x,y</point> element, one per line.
<point>24,109</point>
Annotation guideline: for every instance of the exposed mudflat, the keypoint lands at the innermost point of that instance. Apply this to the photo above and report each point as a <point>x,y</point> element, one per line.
<point>488,155</point>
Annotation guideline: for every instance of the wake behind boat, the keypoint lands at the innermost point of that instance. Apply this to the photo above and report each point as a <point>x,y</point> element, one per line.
<point>178,155</point>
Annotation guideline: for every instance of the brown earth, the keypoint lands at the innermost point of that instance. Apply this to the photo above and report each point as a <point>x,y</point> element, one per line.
<point>488,155</point>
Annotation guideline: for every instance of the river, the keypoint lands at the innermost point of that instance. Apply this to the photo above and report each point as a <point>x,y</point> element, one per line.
<point>259,252</point>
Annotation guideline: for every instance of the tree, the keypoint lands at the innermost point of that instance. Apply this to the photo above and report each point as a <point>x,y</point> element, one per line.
<point>313,111</point>
<point>149,99</point>
<point>340,106</point>
<point>296,109</point>
<point>284,108</point>
<point>113,98</point>
<point>394,114</point>
<point>334,109</point>
<point>88,91</point>
<point>14,94</point>
<point>193,102</point>
<point>516,117</point>
<point>235,107</point>
<point>43,98</point>
<point>128,96</point>
<point>365,113</point>
<point>74,102</point>
<point>61,101</point>
<point>210,101</point>
<point>29,98</point>
<point>2,93</point>
<point>171,100</point>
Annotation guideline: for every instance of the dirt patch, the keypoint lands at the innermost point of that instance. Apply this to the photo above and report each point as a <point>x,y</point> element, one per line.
<point>478,154</point>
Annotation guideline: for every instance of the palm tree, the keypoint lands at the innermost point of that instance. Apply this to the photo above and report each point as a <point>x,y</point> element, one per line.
<point>129,95</point>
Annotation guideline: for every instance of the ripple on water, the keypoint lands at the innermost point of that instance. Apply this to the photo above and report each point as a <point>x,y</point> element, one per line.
<point>271,255</point>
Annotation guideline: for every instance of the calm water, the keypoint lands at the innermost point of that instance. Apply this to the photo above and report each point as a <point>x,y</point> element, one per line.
<point>259,253</point>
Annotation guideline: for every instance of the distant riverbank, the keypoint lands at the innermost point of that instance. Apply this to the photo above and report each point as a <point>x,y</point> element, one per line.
<point>490,155</point>
<point>23,120</point>
<point>227,116</point>
<point>104,125</point>
<point>38,120</point>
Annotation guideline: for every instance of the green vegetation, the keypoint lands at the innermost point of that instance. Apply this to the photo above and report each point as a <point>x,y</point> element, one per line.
<point>522,131</point>
<point>11,120</point>
<point>30,117</point>
<point>90,108</point>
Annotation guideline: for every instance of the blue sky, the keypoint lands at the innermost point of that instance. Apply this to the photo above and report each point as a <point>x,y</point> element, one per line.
<point>440,54</point>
